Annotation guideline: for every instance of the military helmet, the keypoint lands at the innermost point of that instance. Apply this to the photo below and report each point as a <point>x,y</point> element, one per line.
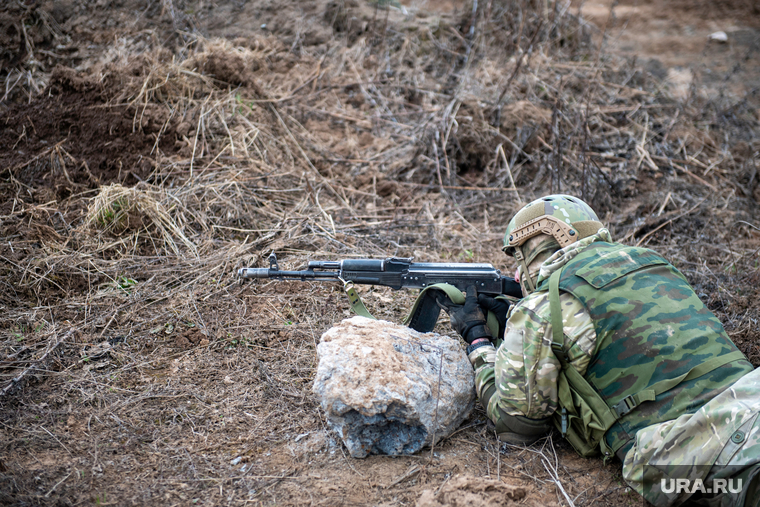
<point>564,217</point>
<point>561,219</point>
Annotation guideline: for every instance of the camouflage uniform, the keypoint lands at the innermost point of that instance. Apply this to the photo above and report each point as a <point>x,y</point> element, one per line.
<point>724,433</point>
<point>695,422</point>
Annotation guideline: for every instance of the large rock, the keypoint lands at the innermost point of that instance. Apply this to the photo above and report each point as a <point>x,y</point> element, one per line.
<point>378,382</point>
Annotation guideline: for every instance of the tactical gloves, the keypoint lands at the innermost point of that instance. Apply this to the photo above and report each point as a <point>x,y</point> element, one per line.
<point>468,319</point>
<point>499,307</point>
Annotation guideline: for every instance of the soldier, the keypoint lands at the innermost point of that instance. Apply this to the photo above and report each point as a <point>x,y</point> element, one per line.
<point>612,347</point>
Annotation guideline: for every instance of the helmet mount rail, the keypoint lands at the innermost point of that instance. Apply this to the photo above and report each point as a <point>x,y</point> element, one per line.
<point>552,226</point>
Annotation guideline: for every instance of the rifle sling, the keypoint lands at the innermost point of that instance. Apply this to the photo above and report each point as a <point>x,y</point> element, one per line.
<point>355,301</point>
<point>425,311</point>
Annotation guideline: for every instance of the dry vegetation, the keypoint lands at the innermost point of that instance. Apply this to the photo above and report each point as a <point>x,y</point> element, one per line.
<point>136,369</point>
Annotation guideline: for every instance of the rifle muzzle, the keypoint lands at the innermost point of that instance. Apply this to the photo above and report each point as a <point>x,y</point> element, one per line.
<point>253,272</point>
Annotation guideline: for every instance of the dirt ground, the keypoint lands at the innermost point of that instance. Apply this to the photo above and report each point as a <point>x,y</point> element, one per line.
<point>150,149</point>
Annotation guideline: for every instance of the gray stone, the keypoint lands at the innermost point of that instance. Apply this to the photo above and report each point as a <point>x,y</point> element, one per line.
<point>378,383</point>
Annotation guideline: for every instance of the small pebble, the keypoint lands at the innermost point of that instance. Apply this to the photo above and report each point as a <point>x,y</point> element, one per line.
<point>718,36</point>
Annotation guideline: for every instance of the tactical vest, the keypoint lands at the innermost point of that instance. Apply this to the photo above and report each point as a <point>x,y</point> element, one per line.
<point>660,351</point>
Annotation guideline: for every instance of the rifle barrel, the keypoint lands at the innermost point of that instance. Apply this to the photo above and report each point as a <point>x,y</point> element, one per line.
<point>253,272</point>
<point>277,274</point>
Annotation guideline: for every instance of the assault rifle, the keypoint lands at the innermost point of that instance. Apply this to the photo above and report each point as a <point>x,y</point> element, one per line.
<point>435,279</point>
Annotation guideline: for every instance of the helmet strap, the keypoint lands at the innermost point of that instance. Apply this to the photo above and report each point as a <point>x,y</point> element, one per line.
<point>519,257</point>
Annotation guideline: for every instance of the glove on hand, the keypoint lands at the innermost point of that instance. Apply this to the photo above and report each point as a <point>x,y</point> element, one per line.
<point>498,307</point>
<point>467,319</point>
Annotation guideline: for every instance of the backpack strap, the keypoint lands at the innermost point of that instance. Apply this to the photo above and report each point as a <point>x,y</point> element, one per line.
<point>558,327</point>
<point>649,394</point>
<point>573,379</point>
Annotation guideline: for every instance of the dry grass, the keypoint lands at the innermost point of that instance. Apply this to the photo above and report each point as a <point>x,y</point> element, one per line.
<point>418,139</point>
<point>117,209</point>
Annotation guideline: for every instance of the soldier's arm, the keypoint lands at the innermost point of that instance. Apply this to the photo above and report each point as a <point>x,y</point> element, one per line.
<point>517,385</point>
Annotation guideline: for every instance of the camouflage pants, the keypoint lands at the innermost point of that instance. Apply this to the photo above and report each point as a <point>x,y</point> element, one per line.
<point>739,463</point>
<point>719,444</point>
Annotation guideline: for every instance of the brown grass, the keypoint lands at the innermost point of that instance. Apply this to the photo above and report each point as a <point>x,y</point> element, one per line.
<point>420,139</point>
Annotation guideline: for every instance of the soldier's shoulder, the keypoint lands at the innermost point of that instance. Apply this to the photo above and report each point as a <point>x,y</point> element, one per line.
<point>533,306</point>
<point>610,260</point>
<point>613,249</point>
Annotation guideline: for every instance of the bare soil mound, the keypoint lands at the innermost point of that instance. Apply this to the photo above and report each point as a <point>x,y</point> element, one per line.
<point>672,40</point>
<point>464,491</point>
<point>743,10</point>
<point>72,139</point>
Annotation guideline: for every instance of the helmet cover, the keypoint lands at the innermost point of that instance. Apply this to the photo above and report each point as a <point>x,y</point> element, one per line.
<point>566,218</point>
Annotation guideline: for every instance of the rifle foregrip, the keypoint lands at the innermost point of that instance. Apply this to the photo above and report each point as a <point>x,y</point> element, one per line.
<point>253,273</point>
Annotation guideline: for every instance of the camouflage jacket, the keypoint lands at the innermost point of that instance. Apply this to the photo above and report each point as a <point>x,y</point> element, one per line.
<point>524,369</point>
<point>634,331</point>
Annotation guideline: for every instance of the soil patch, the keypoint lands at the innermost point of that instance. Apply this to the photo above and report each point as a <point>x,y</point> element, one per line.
<point>466,491</point>
<point>72,139</point>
